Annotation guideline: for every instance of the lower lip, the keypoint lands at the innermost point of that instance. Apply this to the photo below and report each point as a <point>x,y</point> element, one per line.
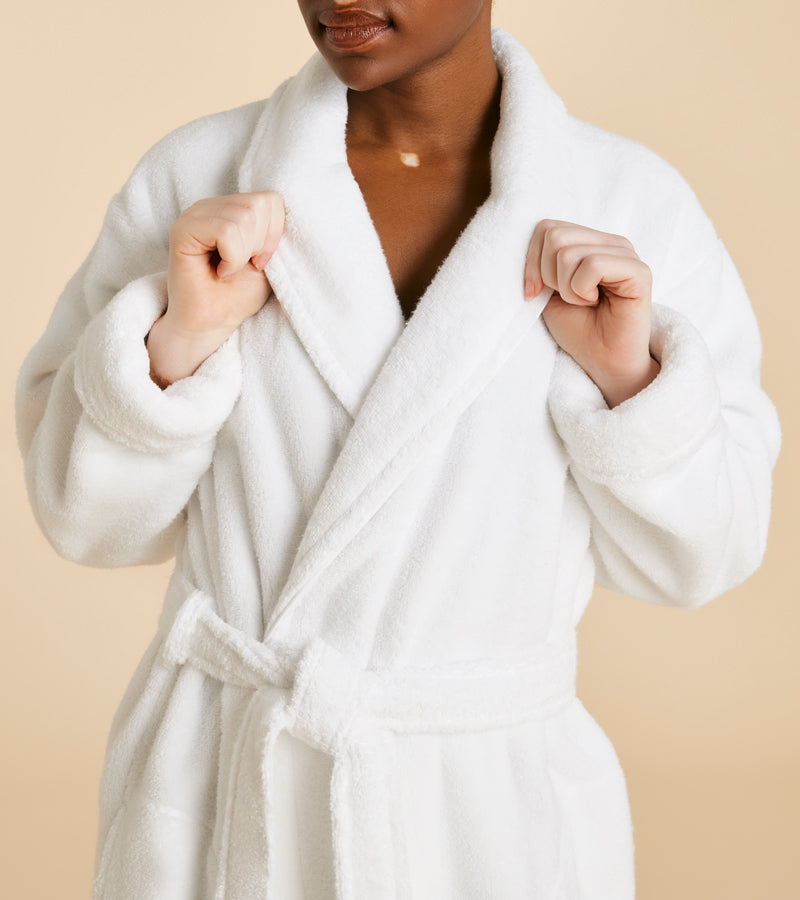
<point>354,37</point>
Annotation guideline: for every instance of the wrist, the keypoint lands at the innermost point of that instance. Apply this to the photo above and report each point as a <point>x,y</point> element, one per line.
<point>617,389</point>
<point>175,353</point>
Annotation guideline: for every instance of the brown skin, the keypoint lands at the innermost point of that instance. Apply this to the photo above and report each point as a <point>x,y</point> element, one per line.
<point>419,212</point>
<point>429,87</point>
<point>422,80</point>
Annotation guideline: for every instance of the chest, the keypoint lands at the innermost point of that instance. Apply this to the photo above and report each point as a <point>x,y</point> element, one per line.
<point>462,490</point>
<point>418,208</point>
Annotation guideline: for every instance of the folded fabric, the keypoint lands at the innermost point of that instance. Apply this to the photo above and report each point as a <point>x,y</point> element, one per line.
<point>386,532</point>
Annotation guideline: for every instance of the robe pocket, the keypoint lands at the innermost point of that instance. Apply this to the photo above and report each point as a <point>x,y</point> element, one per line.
<point>155,852</point>
<point>105,854</point>
<point>159,770</point>
<point>480,816</point>
<point>589,784</point>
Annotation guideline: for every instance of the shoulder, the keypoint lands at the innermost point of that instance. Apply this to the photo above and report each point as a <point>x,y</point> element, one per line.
<point>199,158</point>
<point>632,190</point>
<point>217,141</point>
<point>623,171</point>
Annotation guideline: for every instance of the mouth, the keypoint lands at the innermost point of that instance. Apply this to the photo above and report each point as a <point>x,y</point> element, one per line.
<point>353,28</point>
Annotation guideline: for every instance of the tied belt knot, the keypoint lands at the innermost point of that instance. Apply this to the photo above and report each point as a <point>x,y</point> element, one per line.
<point>321,697</point>
<point>321,686</point>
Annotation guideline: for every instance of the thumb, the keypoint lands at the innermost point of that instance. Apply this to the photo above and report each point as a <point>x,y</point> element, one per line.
<point>225,270</point>
<point>559,315</point>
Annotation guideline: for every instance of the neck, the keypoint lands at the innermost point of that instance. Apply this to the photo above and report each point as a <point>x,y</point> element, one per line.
<point>451,108</point>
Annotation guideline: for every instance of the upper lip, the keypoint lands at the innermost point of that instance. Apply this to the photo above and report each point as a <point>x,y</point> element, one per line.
<point>350,18</point>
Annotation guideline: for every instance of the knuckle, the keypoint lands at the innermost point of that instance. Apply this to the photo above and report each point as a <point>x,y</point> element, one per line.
<point>540,230</point>
<point>567,255</point>
<point>243,216</point>
<point>264,200</point>
<point>595,268</point>
<point>179,229</point>
<point>278,205</point>
<point>228,230</point>
<point>198,208</point>
<point>593,263</point>
<point>557,237</point>
<point>248,222</point>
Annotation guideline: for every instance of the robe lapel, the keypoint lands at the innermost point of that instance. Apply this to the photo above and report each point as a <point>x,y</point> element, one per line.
<point>329,272</point>
<point>331,276</point>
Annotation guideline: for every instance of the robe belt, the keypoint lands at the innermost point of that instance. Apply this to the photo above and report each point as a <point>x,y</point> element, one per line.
<point>321,697</point>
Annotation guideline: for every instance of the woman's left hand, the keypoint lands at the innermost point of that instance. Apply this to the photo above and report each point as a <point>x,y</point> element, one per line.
<point>599,312</point>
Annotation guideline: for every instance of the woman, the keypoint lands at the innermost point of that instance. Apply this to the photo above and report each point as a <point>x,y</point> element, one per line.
<point>300,357</point>
<point>424,86</point>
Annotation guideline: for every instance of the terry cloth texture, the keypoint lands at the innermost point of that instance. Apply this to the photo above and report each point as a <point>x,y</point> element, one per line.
<point>363,682</point>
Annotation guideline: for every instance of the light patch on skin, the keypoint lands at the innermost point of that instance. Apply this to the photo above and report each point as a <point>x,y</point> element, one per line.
<point>409,159</point>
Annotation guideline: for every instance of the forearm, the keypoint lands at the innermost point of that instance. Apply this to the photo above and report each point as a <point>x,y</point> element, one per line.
<point>111,461</point>
<point>677,481</point>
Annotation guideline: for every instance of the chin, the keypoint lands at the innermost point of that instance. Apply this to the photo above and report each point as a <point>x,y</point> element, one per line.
<point>359,73</point>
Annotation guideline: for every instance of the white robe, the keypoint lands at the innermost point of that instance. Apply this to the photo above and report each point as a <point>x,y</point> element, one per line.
<point>363,682</point>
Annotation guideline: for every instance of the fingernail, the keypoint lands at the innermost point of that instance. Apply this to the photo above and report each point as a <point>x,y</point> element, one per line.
<point>530,288</point>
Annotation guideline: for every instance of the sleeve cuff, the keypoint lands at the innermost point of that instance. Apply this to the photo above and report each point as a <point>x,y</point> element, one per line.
<point>647,433</point>
<point>112,377</point>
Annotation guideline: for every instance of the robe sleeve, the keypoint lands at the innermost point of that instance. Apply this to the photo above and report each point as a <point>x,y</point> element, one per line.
<point>678,478</point>
<point>110,459</point>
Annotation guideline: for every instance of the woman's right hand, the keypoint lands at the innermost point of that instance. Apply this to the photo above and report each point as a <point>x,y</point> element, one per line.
<point>218,248</point>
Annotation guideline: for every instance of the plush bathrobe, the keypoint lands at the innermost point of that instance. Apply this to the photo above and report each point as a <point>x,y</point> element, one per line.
<point>386,531</point>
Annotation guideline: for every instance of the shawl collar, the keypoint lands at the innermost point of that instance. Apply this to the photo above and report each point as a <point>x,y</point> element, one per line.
<point>331,277</point>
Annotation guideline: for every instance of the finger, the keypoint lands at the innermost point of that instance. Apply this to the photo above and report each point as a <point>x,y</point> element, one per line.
<point>560,237</point>
<point>623,278</point>
<point>533,283</point>
<point>564,233</point>
<point>557,237</point>
<point>551,236</point>
<point>250,214</point>
<point>272,224</point>
<point>198,235</point>
<point>544,231</point>
<point>571,258</point>
<point>557,310</point>
<point>233,245</point>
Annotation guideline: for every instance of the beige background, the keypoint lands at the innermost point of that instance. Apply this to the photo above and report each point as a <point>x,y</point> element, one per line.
<point>702,706</point>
